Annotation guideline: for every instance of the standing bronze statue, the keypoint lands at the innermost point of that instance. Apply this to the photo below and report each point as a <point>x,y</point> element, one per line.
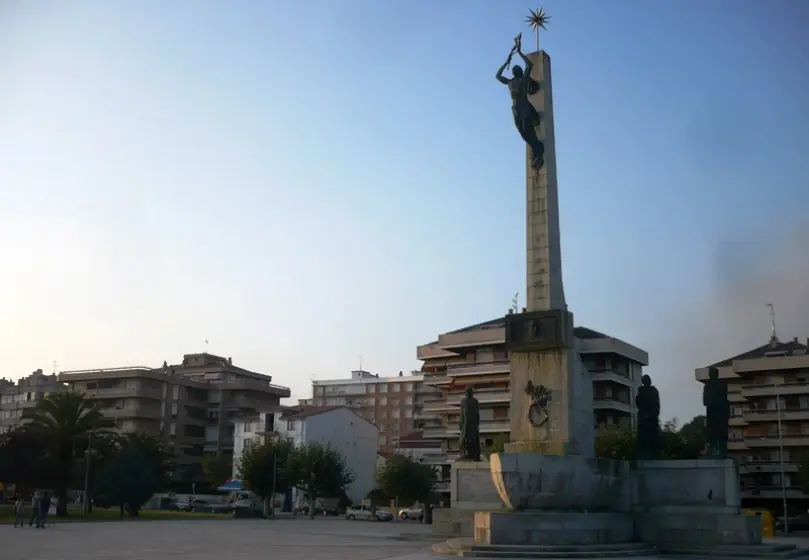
<point>648,445</point>
<point>717,413</point>
<point>526,117</point>
<point>470,427</point>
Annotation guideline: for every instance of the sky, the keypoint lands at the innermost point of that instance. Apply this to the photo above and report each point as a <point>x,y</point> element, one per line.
<point>311,185</point>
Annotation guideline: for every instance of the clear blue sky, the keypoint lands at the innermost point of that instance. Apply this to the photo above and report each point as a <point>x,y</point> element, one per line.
<point>305,182</point>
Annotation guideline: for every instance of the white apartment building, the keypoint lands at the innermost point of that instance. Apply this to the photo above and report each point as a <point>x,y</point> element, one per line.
<point>335,426</point>
<point>25,393</point>
<point>391,403</point>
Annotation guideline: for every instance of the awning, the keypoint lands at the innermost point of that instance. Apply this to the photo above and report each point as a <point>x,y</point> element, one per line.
<point>230,486</point>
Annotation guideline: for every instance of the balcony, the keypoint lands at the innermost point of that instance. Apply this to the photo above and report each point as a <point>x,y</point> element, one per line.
<point>435,432</point>
<point>149,412</point>
<point>486,368</point>
<point>788,440</point>
<point>736,445</point>
<point>471,338</point>
<point>774,389</point>
<point>771,415</point>
<point>603,402</point>
<point>438,406</point>
<point>751,467</point>
<point>126,392</point>
<point>736,398</point>
<point>737,421</point>
<point>611,375</point>
<point>483,397</point>
<point>771,492</point>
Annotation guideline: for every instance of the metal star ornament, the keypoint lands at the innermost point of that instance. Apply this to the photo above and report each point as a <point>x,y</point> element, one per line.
<point>536,20</point>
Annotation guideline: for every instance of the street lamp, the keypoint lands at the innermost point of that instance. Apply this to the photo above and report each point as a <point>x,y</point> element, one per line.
<point>781,456</point>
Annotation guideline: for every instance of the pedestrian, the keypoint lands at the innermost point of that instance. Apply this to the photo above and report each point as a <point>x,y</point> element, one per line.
<point>36,502</point>
<point>44,509</point>
<point>19,511</point>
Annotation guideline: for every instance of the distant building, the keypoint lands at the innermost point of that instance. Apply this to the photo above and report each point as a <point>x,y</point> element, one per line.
<point>191,406</point>
<point>765,384</point>
<point>25,393</point>
<point>334,426</point>
<point>476,356</point>
<point>391,403</point>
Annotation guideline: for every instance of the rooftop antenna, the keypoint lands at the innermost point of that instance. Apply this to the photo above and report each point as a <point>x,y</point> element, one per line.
<point>515,303</point>
<point>360,362</point>
<point>206,347</point>
<point>773,337</point>
<point>54,367</point>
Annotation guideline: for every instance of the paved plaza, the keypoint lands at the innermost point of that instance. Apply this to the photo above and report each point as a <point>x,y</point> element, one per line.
<point>287,539</point>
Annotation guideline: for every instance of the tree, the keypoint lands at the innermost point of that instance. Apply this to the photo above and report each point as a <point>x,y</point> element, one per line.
<point>615,442</point>
<point>152,452</point>
<point>319,472</point>
<point>61,419</point>
<point>128,480</point>
<point>23,460</point>
<point>803,473</point>
<point>217,469</point>
<point>264,467</point>
<point>686,442</point>
<point>406,480</point>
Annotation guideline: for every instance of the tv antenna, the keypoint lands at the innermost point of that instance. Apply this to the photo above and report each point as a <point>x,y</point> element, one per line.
<point>515,303</point>
<point>773,337</point>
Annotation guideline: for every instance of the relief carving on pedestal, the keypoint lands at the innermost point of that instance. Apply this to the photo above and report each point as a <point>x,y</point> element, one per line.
<point>538,414</point>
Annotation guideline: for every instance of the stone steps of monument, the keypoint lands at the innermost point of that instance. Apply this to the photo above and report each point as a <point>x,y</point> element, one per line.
<point>624,550</point>
<point>721,552</point>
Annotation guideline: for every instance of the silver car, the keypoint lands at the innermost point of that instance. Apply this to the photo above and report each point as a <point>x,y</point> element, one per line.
<point>364,513</point>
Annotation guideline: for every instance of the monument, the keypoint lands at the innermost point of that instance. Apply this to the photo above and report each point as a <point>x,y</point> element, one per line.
<point>647,401</point>
<point>560,500</point>
<point>717,413</point>
<point>469,427</point>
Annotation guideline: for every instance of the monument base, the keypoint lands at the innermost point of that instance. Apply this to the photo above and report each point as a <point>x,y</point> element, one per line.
<point>552,528</point>
<point>544,447</point>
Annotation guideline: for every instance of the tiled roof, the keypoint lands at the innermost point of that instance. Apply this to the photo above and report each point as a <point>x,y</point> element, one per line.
<point>298,412</point>
<point>789,348</point>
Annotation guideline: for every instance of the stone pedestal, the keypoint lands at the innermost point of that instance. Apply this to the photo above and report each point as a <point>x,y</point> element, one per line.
<point>544,528</point>
<point>551,390</point>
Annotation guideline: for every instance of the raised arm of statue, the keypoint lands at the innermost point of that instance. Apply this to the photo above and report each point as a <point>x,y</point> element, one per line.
<point>499,75</point>
<point>528,63</point>
<point>656,401</point>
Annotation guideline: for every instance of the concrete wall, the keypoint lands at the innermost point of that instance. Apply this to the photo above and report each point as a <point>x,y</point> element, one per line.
<point>354,438</point>
<point>471,487</point>
<point>708,484</point>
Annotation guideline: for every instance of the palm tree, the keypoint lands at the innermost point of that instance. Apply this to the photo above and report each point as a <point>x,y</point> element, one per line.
<point>62,419</point>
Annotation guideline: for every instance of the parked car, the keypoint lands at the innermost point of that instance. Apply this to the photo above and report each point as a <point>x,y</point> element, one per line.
<point>304,510</point>
<point>416,511</point>
<point>364,513</point>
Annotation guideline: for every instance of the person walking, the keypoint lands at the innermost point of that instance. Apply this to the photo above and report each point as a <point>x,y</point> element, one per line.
<point>44,509</point>
<point>19,512</point>
<point>36,502</point>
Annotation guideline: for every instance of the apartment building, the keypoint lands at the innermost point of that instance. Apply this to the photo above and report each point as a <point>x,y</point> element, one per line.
<point>191,406</point>
<point>390,403</point>
<point>25,393</point>
<point>765,385</point>
<point>337,427</point>
<point>476,356</point>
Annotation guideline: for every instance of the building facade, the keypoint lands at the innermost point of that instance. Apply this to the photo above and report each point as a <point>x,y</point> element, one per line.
<point>190,407</point>
<point>476,356</point>
<point>768,388</point>
<point>391,403</point>
<point>337,427</point>
<point>25,393</point>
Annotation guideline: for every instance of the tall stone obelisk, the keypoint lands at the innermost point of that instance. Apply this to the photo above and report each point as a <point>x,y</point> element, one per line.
<point>551,390</point>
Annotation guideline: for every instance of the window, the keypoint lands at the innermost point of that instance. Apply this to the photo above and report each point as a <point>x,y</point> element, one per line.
<point>248,427</point>
<point>408,386</point>
<point>396,413</point>
<point>409,413</point>
<point>175,392</point>
<point>394,388</point>
<point>383,401</point>
<point>174,410</point>
<point>383,388</point>
<point>290,425</point>
<point>173,429</point>
<point>409,400</point>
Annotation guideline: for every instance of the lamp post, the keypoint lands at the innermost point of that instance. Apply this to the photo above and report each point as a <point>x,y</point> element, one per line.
<point>87,471</point>
<point>781,456</point>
